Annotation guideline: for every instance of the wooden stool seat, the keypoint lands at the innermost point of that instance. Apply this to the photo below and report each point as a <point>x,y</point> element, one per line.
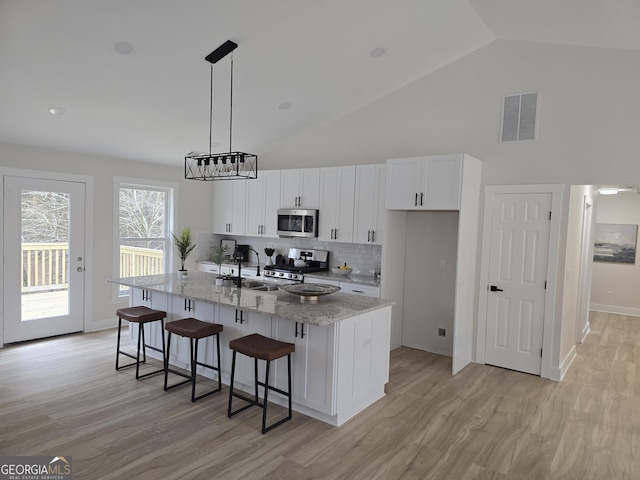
<point>264,348</point>
<point>194,330</point>
<point>140,315</point>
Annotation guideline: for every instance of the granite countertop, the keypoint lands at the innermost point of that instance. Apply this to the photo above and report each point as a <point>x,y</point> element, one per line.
<point>201,286</point>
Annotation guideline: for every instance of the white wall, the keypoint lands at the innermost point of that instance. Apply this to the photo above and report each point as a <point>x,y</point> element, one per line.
<point>587,126</point>
<point>193,210</point>
<point>620,279</point>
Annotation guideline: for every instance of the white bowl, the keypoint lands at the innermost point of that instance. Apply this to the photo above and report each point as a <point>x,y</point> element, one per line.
<point>299,263</point>
<point>345,271</point>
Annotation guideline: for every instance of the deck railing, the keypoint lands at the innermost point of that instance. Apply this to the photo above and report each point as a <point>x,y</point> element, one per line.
<point>45,265</point>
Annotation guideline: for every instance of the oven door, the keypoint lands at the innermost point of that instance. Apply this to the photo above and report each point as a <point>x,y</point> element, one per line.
<point>297,223</point>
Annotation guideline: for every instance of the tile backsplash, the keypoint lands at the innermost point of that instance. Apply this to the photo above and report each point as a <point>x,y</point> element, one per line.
<point>361,257</point>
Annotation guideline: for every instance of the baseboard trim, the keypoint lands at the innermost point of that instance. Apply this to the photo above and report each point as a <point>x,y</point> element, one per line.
<point>585,332</point>
<point>101,325</point>
<point>634,312</point>
<point>558,374</point>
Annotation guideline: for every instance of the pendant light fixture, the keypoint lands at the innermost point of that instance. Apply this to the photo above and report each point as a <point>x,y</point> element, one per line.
<point>221,166</point>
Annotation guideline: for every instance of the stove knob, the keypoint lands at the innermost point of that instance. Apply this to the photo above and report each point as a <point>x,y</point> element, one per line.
<point>281,274</point>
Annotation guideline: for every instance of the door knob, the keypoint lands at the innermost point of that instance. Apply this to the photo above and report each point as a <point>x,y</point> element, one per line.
<point>80,269</point>
<point>493,288</point>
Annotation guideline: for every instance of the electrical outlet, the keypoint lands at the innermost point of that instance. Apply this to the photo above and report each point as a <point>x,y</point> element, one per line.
<point>610,294</point>
<point>442,332</point>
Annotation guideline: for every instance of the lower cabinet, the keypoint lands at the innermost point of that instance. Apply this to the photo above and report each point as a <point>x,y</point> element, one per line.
<point>312,363</point>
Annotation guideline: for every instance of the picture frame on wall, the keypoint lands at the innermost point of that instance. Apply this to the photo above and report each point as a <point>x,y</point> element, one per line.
<point>615,243</point>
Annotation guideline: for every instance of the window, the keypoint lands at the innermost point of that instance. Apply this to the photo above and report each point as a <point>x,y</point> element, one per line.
<point>144,215</point>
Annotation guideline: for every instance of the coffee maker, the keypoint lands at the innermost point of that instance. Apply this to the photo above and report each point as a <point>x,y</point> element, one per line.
<point>241,253</point>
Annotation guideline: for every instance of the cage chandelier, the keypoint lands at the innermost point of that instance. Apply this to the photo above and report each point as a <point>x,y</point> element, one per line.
<point>221,166</point>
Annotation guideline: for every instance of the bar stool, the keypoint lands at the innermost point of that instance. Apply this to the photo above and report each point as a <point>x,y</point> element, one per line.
<point>140,315</point>
<point>194,330</point>
<point>259,347</point>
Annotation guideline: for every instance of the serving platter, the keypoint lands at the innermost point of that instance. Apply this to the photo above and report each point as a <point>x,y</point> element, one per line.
<point>310,292</point>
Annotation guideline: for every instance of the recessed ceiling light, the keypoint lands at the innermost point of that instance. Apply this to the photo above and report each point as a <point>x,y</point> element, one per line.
<point>285,106</point>
<point>377,52</point>
<point>57,110</point>
<point>607,191</point>
<point>123,47</point>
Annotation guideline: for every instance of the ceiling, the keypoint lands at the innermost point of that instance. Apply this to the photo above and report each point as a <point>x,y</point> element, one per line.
<point>152,104</point>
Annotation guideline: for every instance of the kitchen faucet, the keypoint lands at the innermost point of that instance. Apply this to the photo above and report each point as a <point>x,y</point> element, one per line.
<point>258,257</point>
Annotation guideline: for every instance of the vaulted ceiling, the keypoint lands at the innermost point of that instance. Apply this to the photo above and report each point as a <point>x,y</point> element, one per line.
<point>316,57</point>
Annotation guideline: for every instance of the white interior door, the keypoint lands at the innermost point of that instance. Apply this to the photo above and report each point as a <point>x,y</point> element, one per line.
<point>44,258</point>
<point>586,264</point>
<point>517,275</point>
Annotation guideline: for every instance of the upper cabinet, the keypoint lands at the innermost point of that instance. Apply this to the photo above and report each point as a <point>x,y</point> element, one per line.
<point>229,206</point>
<point>263,201</point>
<point>424,183</point>
<point>300,188</point>
<point>369,211</point>
<point>335,221</point>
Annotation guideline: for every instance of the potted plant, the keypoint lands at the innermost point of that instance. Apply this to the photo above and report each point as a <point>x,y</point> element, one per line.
<point>269,251</point>
<point>218,255</point>
<point>185,245</point>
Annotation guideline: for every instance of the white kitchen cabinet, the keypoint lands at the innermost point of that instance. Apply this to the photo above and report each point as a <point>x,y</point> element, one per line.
<point>369,209</point>
<point>322,281</point>
<point>180,308</point>
<point>229,206</point>
<point>424,183</point>
<point>335,222</point>
<point>311,367</point>
<point>364,290</point>
<point>300,188</point>
<point>153,330</point>
<point>263,201</point>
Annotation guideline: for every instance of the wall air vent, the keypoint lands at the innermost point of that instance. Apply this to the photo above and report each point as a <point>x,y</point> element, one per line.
<point>519,115</point>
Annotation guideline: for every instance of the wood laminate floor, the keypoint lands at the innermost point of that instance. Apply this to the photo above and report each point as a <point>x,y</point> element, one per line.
<point>62,396</point>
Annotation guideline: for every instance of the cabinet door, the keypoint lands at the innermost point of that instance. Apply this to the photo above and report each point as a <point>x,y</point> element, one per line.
<point>443,178</point>
<point>290,188</point>
<point>312,363</point>
<point>222,216</point>
<point>310,187</point>
<point>365,203</point>
<point>336,204</point>
<point>271,203</point>
<point>380,213</point>
<point>238,206</point>
<point>255,206</point>
<point>248,323</point>
<point>363,290</point>
<point>403,183</point>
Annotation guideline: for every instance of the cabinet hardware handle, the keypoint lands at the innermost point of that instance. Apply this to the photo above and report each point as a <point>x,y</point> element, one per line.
<point>296,333</point>
<point>239,317</point>
<point>357,291</point>
<point>368,235</point>
<point>422,199</point>
<point>416,202</point>
<point>373,235</point>
<point>301,330</point>
<point>335,235</point>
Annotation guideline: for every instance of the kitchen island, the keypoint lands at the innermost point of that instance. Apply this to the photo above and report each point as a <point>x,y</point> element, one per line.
<point>341,362</point>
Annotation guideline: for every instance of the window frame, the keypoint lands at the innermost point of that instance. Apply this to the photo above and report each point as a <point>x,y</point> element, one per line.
<point>171,194</point>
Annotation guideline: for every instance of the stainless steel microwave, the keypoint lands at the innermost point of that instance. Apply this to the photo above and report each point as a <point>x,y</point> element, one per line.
<point>295,222</point>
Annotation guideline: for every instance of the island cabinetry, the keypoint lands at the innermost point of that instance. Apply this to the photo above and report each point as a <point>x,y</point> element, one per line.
<point>300,188</point>
<point>263,201</point>
<point>238,323</point>
<point>369,211</point>
<point>153,331</point>
<point>335,223</point>
<point>312,363</point>
<point>179,308</point>
<point>364,368</point>
<point>229,207</point>
<point>424,183</point>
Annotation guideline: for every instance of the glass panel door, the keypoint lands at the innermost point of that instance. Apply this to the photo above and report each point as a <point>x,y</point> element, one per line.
<point>44,258</point>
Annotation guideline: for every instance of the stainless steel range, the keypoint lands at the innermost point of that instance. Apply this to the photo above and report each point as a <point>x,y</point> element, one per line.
<point>297,263</point>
